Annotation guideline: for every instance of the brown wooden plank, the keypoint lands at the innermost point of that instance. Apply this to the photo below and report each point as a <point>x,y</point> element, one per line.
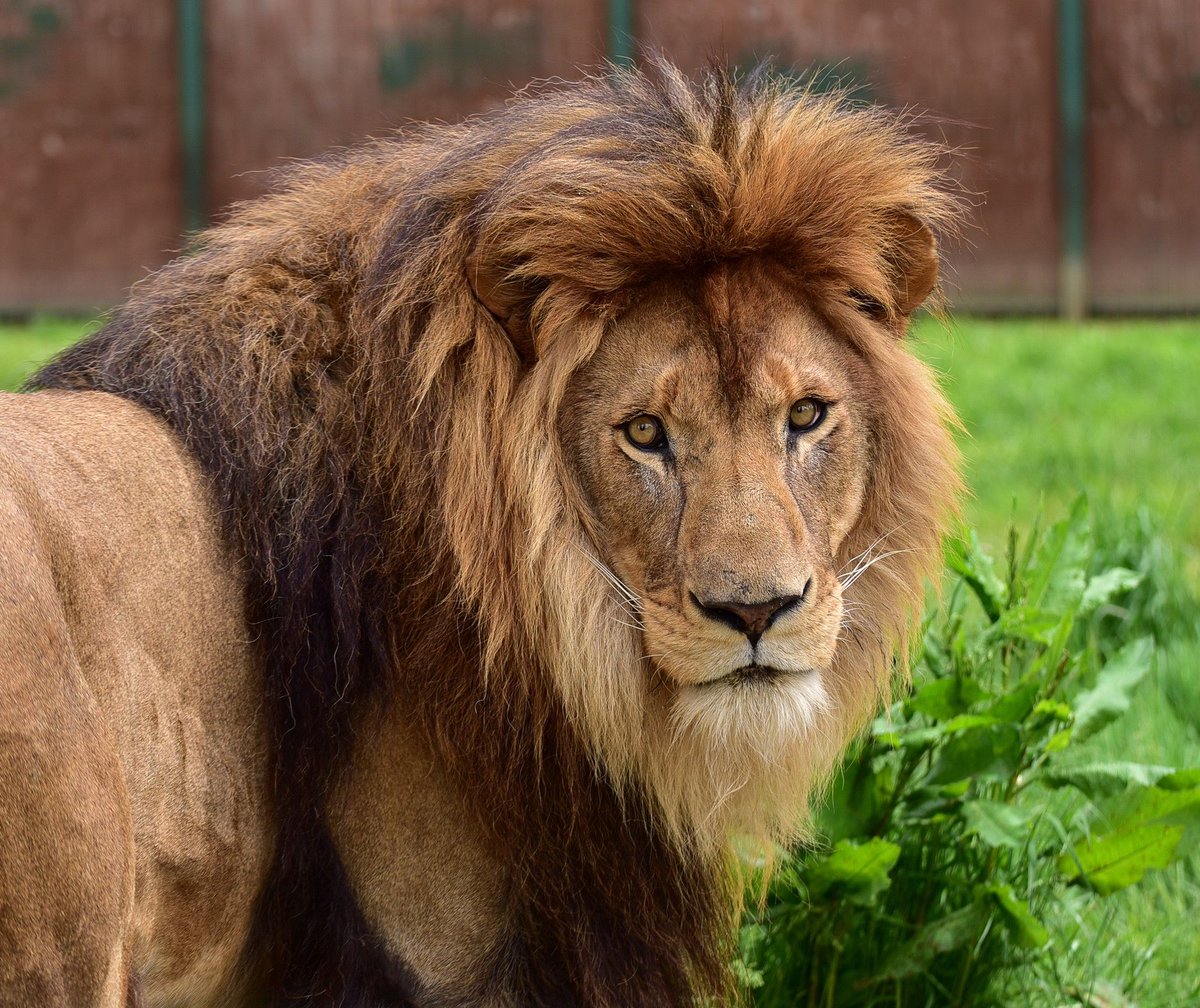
<point>338,72</point>
<point>1144,154</point>
<point>90,158</point>
<point>88,149</point>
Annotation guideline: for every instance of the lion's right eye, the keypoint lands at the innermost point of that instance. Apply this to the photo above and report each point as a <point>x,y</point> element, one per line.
<point>645,432</point>
<point>806,414</point>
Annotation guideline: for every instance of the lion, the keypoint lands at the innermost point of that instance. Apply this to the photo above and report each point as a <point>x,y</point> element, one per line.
<point>416,594</point>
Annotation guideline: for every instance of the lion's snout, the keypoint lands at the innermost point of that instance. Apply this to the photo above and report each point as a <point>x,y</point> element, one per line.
<point>752,618</point>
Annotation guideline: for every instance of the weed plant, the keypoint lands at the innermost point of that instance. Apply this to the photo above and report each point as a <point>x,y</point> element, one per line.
<point>975,811</point>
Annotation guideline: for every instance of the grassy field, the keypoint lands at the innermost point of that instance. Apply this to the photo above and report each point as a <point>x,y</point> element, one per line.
<point>1052,409</point>
<point>1109,408</point>
<point>23,346</point>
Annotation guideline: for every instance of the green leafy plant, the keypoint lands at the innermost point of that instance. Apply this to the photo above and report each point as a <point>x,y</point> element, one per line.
<point>975,806</point>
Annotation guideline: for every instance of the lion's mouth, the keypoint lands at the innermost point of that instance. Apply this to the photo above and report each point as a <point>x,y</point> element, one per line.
<point>749,676</point>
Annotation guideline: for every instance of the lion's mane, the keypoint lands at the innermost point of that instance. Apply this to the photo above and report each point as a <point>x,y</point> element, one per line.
<point>386,460</point>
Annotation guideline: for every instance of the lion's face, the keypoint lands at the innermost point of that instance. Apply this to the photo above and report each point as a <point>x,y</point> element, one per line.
<point>721,438</point>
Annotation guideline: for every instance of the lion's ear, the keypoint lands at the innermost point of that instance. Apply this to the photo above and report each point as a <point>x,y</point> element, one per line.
<point>913,256</point>
<point>508,301</point>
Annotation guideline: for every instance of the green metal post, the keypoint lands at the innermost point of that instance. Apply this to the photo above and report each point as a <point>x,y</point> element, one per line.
<point>622,41</point>
<point>1072,107</point>
<point>191,112</point>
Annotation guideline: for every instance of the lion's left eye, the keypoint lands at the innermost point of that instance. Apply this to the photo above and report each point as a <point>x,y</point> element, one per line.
<point>806,414</point>
<point>645,432</point>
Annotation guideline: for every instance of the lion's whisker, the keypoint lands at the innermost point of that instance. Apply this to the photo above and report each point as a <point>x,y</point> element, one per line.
<point>857,558</point>
<point>863,568</point>
<point>608,574</point>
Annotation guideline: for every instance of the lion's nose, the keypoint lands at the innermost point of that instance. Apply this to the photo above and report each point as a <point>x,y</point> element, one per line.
<point>751,618</point>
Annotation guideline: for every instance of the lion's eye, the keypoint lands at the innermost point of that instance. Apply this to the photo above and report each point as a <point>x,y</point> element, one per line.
<point>645,432</point>
<point>806,414</point>
<point>869,306</point>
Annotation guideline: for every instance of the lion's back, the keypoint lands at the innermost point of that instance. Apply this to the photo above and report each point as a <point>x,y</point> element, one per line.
<point>130,701</point>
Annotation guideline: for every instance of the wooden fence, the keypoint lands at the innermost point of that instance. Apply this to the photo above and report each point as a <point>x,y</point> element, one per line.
<point>121,121</point>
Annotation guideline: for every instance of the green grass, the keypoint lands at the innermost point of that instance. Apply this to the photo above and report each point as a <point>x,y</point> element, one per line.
<point>1051,409</point>
<point>1109,408</point>
<point>25,345</point>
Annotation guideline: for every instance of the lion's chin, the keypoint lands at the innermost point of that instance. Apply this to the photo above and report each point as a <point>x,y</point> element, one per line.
<point>758,707</point>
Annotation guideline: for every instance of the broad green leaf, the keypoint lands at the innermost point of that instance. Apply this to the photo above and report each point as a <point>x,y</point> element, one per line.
<point>1181,780</point>
<point>1026,929</point>
<point>747,976</point>
<point>963,722</point>
<point>751,938</point>
<point>750,941</point>
<point>933,653</point>
<point>1029,623</point>
<point>854,799</point>
<point>1055,709</point>
<point>1097,780</point>
<point>1105,587</point>
<point>917,738</point>
<point>945,698</point>
<point>1155,804</point>
<point>1058,741</point>
<point>988,750</point>
<point>1057,577</point>
<point>942,935</point>
<point>859,870</point>
<point>890,723</point>
<point>883,726</point>
<point>933,804</point>
<point>1110,697</point>
<point>1016,704</point>
<point>1120,859</point>
<point>977,569</point>
<point>1149,826</point>
<point>996,823</point>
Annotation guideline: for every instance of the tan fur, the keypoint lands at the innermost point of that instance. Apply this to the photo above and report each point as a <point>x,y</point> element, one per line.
<point>426,878</point>
<point>422,354</point>
<point>131,747</point>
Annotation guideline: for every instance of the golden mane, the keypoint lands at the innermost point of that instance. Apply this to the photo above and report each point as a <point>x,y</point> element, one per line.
<point>370,364</point>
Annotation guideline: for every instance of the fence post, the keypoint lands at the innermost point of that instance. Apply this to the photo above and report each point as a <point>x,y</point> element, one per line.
<point>1072,114</point>
<point>622,41</point>
<point>191,113</point>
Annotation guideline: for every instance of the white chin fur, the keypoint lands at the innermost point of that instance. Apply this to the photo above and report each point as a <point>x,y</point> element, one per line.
<point>759,717</point>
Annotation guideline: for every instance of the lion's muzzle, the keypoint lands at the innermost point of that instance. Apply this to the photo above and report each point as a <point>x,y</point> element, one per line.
<point>751,618</point>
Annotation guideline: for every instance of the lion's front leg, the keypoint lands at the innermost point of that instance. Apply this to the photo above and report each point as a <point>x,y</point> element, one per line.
<point>425,878</point>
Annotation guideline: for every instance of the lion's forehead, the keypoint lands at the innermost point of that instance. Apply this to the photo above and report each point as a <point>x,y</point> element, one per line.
<point>729,363</point>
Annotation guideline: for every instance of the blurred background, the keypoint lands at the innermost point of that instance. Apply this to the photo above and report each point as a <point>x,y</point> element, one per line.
<point>124,123</point>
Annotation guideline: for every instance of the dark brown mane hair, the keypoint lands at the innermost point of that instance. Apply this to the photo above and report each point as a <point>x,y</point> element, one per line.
<point>326,356</point>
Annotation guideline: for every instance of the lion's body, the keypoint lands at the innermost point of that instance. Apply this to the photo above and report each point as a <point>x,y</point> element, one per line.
<point>134,743</point>
<point>354,651</point>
